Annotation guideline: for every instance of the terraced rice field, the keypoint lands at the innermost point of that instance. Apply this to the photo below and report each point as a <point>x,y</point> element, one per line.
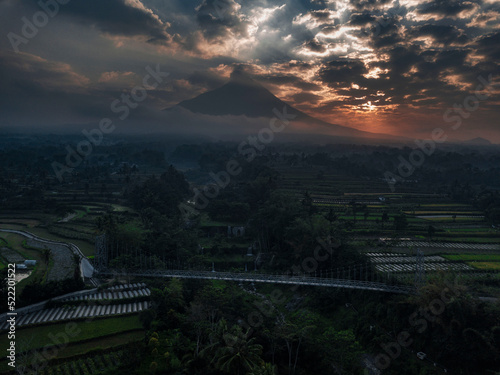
<point>91,365</point>
<point>493,266</point>
<point>11,256</point>
<point>473,257</point>
<point>30,338</point>
<point>478,261</point>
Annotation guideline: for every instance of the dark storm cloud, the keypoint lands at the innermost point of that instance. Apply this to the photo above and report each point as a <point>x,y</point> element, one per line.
<point>368,4</point>
<point>288,80</point>
<point>314,46</point>
<point>320,14</point>
<point>361,19</point>
<point>305,97</point>
<point>447,8</point>
<point>321,55</point>
<point>301,65</point>
<point>342,72</point>
<point>216,18</point>
<point>388,35</point>
<point>411,76</point>
<point>208,80</point>
<point>402,58</point>
<point>115,17</point>
<point>36,88</point>
<point>489,47</point>
<point>328,106</point>
<point>441,33</point>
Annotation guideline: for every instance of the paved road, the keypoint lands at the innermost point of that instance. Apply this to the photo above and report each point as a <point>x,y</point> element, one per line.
<point>86,269</point>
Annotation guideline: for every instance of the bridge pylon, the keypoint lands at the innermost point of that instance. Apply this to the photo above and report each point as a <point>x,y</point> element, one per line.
<point>101,253</point>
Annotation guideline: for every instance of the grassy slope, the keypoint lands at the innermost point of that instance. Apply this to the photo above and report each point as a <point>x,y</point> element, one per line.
<point>15,242</point>
<point>84,246</point>
<point>38,337</point>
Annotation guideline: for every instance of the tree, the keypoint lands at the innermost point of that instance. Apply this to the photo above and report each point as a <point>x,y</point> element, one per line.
<point>168,304</point>
<point>303,233</point>
<point>146,318</point>
<point>294,331</point>
<point>385,218</point>
<point>431,230</point>
<point>341,350</point>
<point>199,323</point>
<point>234,352</point>
<point>46,255</point>
<point>331,217</point>
<point>400,222</point>
<point>163,193</point>
<point>270,222</point>
<point>264,369</point>
<point>208,304</point>
<point>354,208</point>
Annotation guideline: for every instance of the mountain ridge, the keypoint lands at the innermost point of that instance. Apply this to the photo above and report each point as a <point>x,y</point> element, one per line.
<point>242,96</point>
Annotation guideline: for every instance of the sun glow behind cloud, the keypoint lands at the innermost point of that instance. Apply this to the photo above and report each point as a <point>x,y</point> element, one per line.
<point>366,64</point>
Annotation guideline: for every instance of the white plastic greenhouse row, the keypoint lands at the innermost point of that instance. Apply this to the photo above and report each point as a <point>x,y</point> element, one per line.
<point>383,255</point>
<point>405,259</point>
<point>62,313</point>
<point>111,295</point>
<point>428,267</point>
<point>449,245</point>
<point>127,286</point>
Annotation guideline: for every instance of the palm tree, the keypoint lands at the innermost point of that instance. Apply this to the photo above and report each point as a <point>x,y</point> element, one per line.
<point>232,351</point>
<point>239,353</point>
<point>264,369</point>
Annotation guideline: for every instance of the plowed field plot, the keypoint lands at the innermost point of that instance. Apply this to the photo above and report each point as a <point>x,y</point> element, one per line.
<point>62,257</point>
<point>11,256</point>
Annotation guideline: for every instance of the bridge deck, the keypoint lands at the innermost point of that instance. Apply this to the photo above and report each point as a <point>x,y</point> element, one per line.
<point>274,279</point>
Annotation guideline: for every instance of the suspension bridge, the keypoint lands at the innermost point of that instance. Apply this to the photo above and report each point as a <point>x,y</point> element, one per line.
<point>252,277</point>
<point>361,277</point>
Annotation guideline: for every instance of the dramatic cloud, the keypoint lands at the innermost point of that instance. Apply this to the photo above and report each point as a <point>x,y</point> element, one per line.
<point>116,17</point>
<point>446,8</point>
<point>377,65</point>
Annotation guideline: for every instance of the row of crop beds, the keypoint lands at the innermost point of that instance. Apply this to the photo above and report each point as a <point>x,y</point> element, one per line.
<point>83,366</point>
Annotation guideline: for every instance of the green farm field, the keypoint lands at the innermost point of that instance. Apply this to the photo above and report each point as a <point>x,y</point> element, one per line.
<point>491,266</point>
<point>103,343</point>
<point>16,242</point>
<point>37,337</point>
<point>473,257</point>
<point>86,247</point>
<point>79,227</point>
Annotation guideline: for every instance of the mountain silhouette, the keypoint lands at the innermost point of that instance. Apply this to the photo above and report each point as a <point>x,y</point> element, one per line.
<point>478,142</point>
<point>242,96</point>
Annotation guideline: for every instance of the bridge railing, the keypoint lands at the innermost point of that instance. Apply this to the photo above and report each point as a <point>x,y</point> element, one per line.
<point>269,278</point>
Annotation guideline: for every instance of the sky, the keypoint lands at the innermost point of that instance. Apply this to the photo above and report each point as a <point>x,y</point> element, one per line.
<point>401,67</point>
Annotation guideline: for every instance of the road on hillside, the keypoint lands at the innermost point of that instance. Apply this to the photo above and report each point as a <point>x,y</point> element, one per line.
<point>86,269</point>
